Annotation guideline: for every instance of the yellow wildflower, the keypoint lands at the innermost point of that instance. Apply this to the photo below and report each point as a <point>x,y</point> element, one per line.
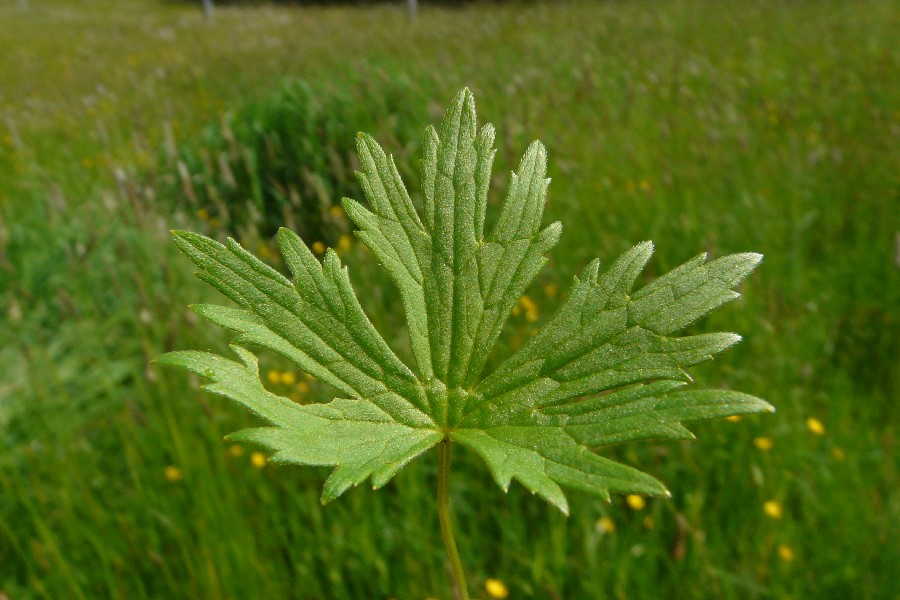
<point>273,376</point>
<point>527,303</point>
<point>645,185</point>
<point>815,426</point>
<point>733,418</point>
<point>318,247</point>
<point>649,523</point>
<point>496,589</point>
<point>303,387</point>
<point>635,502</point>
<point>606,525</point>
<point>530,308</point>
<point>236,450</point>
<point>344,243</point>
<point>550,290</point>
<point>203,214</point>
<point>173,473</point>
<point>838,454</point>
<point>336,211</point>
<point>288,378</point>
<point>785,553</point>
<point>773,509</point>
<point>763,443</point>
<point>258,460</point>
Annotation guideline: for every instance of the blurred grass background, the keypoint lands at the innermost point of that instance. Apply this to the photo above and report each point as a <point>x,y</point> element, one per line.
<point>706,126</point>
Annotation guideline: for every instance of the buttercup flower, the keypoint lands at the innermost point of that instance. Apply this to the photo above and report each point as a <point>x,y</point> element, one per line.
<point>773,509</point>
<point>785,553</point>
<point>635,502</point>
<point>763,443</point>
<point>344,243</point>
<point>173,473</point>
<point>815,426</point>
<point>496,589</point>
<point>606,525</point>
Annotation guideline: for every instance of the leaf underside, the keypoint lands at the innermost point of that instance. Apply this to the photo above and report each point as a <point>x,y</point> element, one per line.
<point>606,368</point>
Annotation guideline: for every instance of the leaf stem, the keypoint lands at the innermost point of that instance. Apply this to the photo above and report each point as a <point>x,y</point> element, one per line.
<point>461,591</point>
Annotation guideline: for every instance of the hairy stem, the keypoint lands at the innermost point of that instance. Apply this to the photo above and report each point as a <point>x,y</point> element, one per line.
<point>461,591</point>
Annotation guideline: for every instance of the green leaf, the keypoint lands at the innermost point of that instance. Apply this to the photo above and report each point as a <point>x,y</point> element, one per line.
<point>607,367</point>
<point>355,435</point>
<point>318,323</point>
<point>458,286</point>
<point>600,372</point>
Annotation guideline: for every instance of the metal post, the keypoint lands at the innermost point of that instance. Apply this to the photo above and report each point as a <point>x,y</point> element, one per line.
<point>208,9</point>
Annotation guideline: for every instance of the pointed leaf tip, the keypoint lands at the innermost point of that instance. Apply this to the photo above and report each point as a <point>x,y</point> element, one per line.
<point>645,248</point>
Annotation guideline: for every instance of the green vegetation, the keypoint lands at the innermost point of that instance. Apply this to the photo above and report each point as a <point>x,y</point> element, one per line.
<point>285,160</point>
<point>725,126</point>
<point>601,371</point>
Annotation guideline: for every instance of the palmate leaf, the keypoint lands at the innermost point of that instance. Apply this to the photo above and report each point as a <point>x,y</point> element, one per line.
<point>607,367</point>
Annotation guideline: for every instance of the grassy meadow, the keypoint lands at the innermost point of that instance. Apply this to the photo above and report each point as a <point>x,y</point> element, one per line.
<point>718,126</point>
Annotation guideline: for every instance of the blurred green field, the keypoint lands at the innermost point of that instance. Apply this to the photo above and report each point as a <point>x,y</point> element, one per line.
<point>705,126</point>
